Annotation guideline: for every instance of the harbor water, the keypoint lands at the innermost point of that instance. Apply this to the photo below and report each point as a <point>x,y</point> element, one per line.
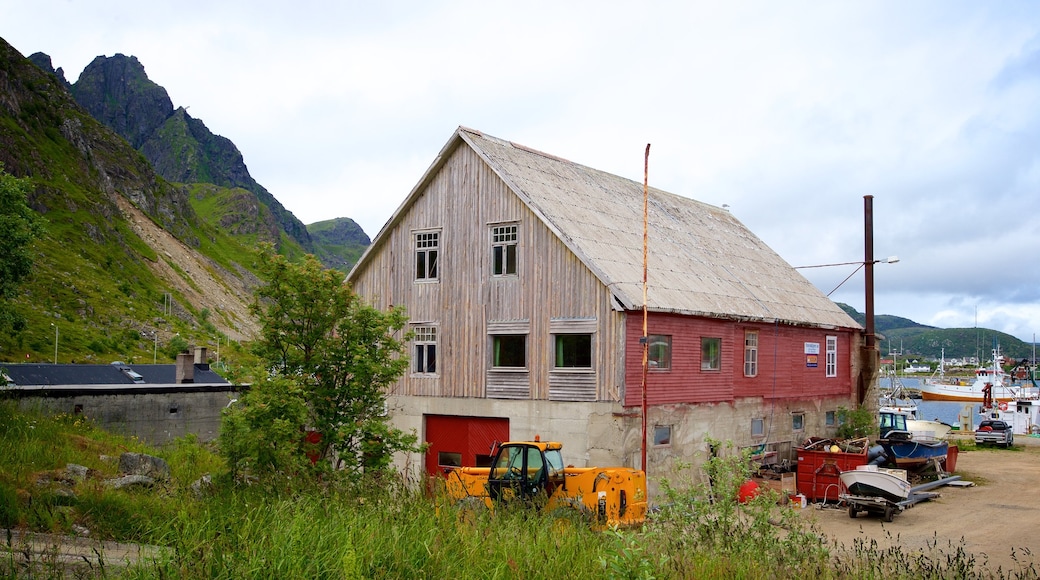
<point>949,412</point>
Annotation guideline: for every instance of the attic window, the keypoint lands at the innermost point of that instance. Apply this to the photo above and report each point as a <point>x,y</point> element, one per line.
<point>503,250</point>
<point>427,249</point>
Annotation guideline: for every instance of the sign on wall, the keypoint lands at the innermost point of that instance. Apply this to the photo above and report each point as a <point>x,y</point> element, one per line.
<point>812,354</point>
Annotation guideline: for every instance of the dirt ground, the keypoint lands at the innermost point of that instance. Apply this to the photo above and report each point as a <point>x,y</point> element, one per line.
<point>998,516</point>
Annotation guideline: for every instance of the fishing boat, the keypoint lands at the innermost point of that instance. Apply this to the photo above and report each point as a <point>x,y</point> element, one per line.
<point>874,481</point>
<point>906,450</point>
<point>991,384</point>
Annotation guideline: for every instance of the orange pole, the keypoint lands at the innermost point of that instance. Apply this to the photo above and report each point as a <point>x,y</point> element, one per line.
<point>645,339</point>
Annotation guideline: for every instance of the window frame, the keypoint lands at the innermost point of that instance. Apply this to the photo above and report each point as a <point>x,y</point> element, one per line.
<point>798,422</point>
<point>426,254</point>
<point>667,439</point>
<point>496,341</point>
<point>831,356</point>
<point>760,422</point>
<point>750,353</point>
<point>659,339</point>
<point>711,361</point>
<point>424,340</point>
<point>505,240</point>
<point>557,354</point>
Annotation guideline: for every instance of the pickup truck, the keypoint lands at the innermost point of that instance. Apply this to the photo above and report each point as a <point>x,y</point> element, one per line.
<point>994,432</point>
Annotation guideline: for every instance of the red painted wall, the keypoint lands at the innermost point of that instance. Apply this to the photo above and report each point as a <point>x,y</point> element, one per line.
<point>782,369</point>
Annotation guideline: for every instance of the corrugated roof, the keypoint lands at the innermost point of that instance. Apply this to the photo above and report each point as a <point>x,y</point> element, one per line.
<point>702,260</point>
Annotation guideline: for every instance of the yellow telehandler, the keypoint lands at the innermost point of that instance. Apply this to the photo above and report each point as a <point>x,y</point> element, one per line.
<point>533,472</point>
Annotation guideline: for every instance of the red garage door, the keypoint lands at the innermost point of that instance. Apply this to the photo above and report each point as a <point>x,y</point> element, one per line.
<point>462,441</point>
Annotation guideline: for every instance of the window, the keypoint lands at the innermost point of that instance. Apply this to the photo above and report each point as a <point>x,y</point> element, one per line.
<point>425,341</point>
<point>662,435</point>
<point>711,356</point>
<point>758,427</point>
<point>830,420</point>
<point>659,352</point>
<point>832,356</point>
<point>449,459</point>
<point>503,250</point>
<point>509,350</point>
<point>798,421</point>
<point>426,246</point>
<point>750,353</point>
<point>573,351</point>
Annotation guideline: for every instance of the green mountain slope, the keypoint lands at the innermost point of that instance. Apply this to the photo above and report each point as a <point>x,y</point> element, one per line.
<point>339,242</point>
<point>908,338</point>
<point>119,272</point>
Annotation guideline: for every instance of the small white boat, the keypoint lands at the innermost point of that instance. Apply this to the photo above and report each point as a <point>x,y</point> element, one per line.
<point>874,481</point>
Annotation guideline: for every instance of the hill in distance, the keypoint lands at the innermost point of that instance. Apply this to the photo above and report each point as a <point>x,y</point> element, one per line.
<point>910,339</point>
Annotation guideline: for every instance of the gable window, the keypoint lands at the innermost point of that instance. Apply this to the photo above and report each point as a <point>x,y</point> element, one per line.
<point>750,353</point>
<point>509,351</point>
<point>659,352</point>
<point>711,354</point>
<point>503,250</point>
<point>424,360</point>
<point>573,351</point>
<point>427,245</point>
<point>832,356</point>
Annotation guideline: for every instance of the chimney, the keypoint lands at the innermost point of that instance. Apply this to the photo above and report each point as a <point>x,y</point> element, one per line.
<point>185,369</point>
<point>201,358</point>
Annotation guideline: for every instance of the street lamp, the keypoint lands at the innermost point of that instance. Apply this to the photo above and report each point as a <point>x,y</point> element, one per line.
<point>888,260</point>
<point>55,342</point>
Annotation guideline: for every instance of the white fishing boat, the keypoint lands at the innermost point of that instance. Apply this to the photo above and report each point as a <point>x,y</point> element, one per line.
<point>990,385</point>
<point>874,481</point>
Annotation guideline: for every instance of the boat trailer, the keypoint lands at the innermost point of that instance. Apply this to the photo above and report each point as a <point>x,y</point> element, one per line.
<point>888,508</point>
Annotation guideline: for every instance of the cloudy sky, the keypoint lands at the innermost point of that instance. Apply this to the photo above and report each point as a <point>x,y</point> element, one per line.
<point>788,112</point>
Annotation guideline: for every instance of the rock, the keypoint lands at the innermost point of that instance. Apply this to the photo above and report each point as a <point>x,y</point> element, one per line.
<point>130,481</point>
<point>77,472</point>
<point>202,485</point>
<point>143,464</point>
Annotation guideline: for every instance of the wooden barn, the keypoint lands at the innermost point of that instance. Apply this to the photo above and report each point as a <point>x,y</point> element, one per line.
<point>522,275</point>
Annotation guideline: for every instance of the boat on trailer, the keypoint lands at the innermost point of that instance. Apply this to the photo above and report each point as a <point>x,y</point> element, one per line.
<point>874,481</point>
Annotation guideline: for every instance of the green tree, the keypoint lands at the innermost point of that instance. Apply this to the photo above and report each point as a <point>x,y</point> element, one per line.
<point>19,226</point>
<point>323,345</point>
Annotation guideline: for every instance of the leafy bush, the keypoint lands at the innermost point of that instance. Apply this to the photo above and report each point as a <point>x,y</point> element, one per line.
<point>856,423</point>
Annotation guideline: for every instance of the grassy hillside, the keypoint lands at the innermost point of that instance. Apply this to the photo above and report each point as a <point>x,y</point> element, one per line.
<point>106,289</point>
<point>908,338</point>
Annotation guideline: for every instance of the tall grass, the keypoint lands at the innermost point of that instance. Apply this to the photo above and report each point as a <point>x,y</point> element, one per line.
<point>384,529</point>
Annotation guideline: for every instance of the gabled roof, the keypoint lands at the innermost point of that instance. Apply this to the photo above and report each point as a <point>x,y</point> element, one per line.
<point>702,260</point>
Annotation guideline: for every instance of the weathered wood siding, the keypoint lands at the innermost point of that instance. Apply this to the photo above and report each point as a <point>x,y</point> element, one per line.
<point>782,369</point>
<point>462,200</point>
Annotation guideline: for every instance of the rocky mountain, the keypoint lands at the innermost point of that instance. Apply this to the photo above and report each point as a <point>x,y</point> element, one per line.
<point>126,261</point>
<point>117,91</point>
